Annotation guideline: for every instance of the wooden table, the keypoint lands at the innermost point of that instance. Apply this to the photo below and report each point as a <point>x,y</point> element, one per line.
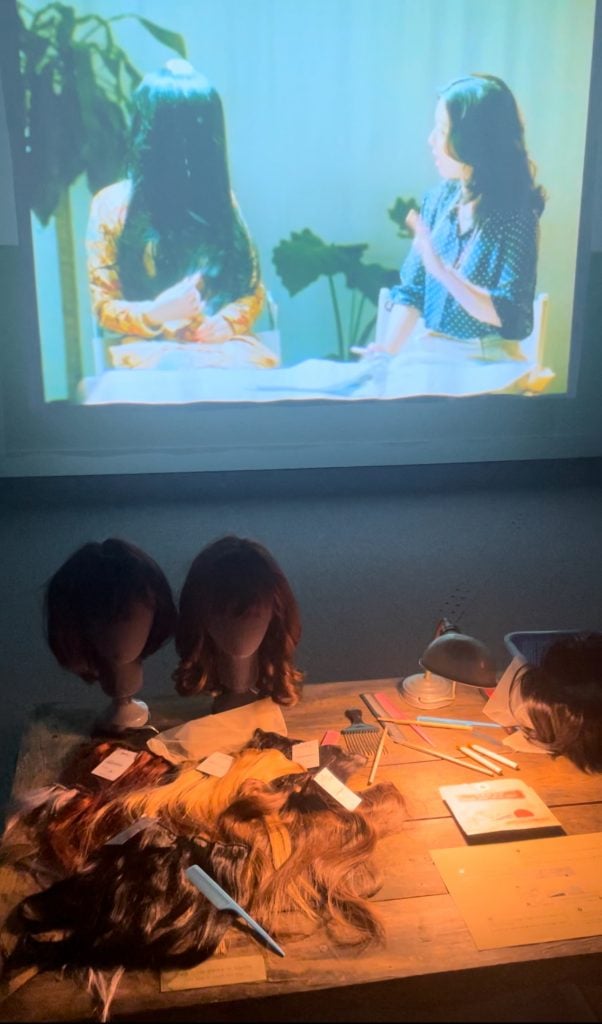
<point>429,968</point>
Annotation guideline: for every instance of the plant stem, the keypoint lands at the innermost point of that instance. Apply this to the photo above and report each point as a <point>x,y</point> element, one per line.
<point>337,317</point>
<point>352,315</point>
<point>358,320</point>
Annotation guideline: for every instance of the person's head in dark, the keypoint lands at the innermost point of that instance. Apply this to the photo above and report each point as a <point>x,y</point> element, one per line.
<point>236,602</point>
<point>479,137</point>
<point>563,699</point>
<point>182,204</point>
<point>108,604</point>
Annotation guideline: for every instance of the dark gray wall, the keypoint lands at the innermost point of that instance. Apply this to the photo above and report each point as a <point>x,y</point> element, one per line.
<point>375,557</point>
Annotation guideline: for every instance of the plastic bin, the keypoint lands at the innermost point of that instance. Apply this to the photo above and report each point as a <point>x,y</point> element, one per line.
<point>531,647</point>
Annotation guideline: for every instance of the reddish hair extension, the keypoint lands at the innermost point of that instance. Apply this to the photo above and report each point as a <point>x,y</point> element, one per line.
<point>63,827</point>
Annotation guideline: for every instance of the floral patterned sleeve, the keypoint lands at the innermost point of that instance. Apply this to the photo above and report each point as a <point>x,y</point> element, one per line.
<point>242,313</point>
<point>105,224</point>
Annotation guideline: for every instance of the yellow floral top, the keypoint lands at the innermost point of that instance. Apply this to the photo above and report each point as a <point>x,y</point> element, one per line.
<point>130,319</point>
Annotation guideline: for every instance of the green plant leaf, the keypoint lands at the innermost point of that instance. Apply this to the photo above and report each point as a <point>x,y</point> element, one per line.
<point>369,278</point>
<point>304,257</point>
<point>398,213</point>
<point>173,40</point>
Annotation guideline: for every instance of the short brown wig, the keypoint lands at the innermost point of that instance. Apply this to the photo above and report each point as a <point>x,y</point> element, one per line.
<point>99,583</point>
<point>563,698</point>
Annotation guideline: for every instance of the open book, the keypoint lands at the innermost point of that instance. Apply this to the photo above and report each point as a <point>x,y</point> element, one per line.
<point>500,809</point>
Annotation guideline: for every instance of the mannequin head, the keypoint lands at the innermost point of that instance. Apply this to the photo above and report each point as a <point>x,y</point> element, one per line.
<point>107,608</point>
<point>238,624</point>
<point>561,698</point>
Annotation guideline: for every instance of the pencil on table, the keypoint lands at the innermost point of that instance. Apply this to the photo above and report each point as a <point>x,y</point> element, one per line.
<point>427,725</point>
<point>482,760</point>
<point>377,757</point>
<point>448,757</point>
<point>493,754</point>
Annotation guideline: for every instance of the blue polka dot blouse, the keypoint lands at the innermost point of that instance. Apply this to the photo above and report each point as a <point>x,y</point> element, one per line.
<point>499,254</point>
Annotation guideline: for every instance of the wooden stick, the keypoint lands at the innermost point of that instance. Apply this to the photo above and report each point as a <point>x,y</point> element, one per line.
<point>494,756</point>
<point>448,757</point>
<point>426,725</point>
<point>377,757</point>
<point>479,757</point>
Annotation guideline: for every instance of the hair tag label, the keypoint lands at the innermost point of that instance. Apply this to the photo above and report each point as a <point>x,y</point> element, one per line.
<point>216,764</point>
<point>115,764</point>
<point>306,754</point>
<point>345,796</point>
<point>132,830</point>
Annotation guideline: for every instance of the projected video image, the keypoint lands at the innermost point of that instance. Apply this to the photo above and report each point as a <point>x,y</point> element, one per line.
<point>281,200</point>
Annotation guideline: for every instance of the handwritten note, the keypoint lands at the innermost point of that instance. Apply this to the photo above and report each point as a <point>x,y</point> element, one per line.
<point>538,890</point>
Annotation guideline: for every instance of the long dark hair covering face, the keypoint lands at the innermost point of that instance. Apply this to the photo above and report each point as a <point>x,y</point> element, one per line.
<point>563,698</point>
<point>99,583</point>
<point>230,576</point>
<point>181,209</point>
<point>487,132</point>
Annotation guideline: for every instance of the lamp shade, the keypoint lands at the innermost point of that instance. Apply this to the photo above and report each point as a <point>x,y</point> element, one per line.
<point>462,658</point>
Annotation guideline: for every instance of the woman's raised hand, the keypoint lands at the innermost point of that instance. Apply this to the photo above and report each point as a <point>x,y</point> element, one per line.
<point>180,302</point>
<point>424,244</point>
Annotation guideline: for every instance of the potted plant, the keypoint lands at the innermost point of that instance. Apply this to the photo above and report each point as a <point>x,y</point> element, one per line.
<point>304,257</point>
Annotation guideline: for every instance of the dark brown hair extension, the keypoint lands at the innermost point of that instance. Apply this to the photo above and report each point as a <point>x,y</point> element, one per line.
<point>563,698</point>
<point>230,576</point>
<point>169,923</point>
<point>99,583</point>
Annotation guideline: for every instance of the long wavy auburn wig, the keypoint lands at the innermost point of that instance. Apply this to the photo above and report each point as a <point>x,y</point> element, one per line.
<point>230,576</point>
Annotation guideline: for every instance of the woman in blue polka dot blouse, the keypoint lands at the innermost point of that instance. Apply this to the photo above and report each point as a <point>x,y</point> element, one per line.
<point>468,283</point>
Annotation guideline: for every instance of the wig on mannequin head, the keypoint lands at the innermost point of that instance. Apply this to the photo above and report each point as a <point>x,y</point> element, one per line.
<point>563,699</point>
<point>100,585</point>
<point>229,577</point>
<point>181,212</point>
<point>486,132</point>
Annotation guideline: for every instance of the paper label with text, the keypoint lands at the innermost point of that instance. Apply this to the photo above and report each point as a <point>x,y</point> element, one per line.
<point>346,797</point>
<point>115,764</point>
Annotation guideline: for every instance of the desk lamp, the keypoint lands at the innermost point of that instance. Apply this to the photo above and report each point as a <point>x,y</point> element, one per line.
<point>452,657</point>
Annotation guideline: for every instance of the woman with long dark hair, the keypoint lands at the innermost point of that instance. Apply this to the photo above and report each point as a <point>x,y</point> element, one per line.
<point>169,255</point>
<point>468,283</point>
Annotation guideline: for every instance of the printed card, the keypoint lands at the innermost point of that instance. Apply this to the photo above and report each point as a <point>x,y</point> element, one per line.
<point>216,764</point>
<point>115,764</point>
<point>346,797</point>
